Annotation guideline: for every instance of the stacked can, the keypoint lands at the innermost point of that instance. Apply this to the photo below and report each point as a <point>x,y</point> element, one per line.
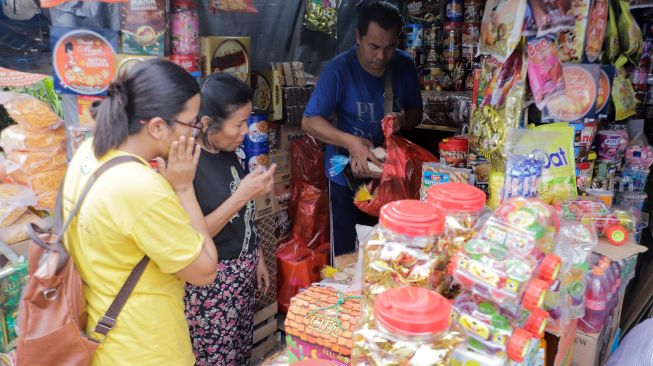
<point>471,37</point>
<point>255,145</point>
<point>186,37</point>
<point>431,72</point>
<point>452,44</point>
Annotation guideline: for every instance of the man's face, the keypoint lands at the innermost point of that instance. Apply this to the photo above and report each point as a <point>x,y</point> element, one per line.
<point>377,47</point>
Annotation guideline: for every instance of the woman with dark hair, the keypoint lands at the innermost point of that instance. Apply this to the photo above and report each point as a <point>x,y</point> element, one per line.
<point>132,211</point>
<point>220,315</point>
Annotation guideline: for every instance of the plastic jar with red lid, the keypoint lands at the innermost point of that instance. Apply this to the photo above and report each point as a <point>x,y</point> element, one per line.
<point>411,327</point>
<point>401,250</point>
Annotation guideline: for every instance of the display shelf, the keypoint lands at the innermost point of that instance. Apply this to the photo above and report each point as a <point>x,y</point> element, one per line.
<point>641,6</point>
<point>438,128</point>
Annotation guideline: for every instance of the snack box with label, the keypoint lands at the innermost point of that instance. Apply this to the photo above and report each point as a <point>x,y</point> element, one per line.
<point>143,27</point>
<point>266,86</point>
<point>579,100</point>
<point>226,54</point>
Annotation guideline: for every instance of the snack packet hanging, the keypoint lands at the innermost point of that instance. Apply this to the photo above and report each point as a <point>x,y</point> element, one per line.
<point>552,16</point>
<point>623,94</point>
<point>571,41</point>
<point>611,48</point>
<point>232,6</point>
<point>545,73</point>
<point>630,35</point>
<point>322,16</point>
<point>596,29</point>
<point>559,174</point>
<point>501,27</point>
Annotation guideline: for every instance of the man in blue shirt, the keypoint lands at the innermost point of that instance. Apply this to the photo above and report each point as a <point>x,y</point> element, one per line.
<point>347,106</point>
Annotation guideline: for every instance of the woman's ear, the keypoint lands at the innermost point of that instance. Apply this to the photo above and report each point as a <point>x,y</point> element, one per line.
<point>205,123</point>
<point>157,128</point>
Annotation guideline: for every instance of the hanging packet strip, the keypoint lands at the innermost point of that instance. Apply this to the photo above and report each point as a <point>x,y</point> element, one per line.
<point>501,28</point>
<point>572,41</point>
<point>611,48</point>
<point>596,29</point>
<point>630,35</point>
<point>552,16</point>
<point>623,94</point>
<point>322,16</point>
<point>545,73</point>
<point>232,6</point>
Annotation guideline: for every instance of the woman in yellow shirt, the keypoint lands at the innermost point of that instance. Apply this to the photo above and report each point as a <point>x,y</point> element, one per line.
<point>133,211</point>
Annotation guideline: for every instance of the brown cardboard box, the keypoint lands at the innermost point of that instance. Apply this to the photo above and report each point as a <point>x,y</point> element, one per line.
<point>282,159</point>
<point>282,192</point>
<point>266,86</point>
<point>288,134</point>
<point>264,206</point>
<point>559,348</point>
<point>226,54</point>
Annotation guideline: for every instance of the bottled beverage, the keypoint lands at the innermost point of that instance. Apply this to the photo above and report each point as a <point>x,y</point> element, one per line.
<point>596,301</point>
<point>613,279</point>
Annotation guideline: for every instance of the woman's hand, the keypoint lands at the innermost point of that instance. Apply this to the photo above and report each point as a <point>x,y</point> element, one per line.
<point>256,183</point>
<point>262,275</point>
<point>182,164</point>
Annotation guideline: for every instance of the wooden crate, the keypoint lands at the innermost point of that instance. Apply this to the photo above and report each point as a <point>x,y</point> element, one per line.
<point>263,348</point>
<point>266,336</point>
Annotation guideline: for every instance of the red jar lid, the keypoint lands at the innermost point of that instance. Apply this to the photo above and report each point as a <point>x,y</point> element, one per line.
<point>457,143</point>
<point>412,310</point>
<point>456,197</point>
<point>412,218</point>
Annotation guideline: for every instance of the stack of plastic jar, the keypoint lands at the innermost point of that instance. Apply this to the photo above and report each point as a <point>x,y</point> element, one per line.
<point>463,206</point>
<point>411,327</point>
<point>402,250</point>
<point>505,272</point>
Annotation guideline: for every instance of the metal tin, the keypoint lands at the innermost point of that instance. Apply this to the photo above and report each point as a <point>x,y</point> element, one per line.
<point>256,158</point>
<point>190,63</point>
<point>257,136</point>
<point>414,35</point>
<point>454,11</point>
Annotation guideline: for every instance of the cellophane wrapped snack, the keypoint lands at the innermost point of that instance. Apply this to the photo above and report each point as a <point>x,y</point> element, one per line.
<point>29,112</point>
<point>501,27</point>
<point>572,41</point>
<point>322,15</point>
<point>14,202</point>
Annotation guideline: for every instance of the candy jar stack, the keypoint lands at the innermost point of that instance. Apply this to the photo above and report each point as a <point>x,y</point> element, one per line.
<point>402,251</point>
<point>411,327</point>
<point>505,272</point>
<point>185,36</point>
<point>462,205</point>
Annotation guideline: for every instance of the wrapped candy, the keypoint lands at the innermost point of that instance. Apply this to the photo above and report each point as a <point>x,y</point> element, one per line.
<point>411,327</point>
<point>322,15</point>
<point>616,225</point>
<point>402,250</point>
<point>639,156</point>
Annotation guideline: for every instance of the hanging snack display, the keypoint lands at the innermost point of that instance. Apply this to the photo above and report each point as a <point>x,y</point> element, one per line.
<point>611,47</point>
<point>623,94</point>
<point>501,27</point>
<point>322,16</point>
<point>552,16</point>
<point>545,73</point>
<point>596,28</point>
<point>571,42</point>
<point>425,10</point>
<point>630,35</point>
<point>143,27</point>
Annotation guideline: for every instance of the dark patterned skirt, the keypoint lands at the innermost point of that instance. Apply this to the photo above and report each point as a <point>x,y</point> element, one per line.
<point>221,315</point>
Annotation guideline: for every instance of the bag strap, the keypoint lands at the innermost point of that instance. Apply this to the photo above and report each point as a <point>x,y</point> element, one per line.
<point>388,93</point>
<point>108,321</point>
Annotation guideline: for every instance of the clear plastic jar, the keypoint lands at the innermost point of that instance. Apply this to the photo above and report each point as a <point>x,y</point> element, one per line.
<point>411,327</point>
<point>402,250</point>
<point>185,28</point>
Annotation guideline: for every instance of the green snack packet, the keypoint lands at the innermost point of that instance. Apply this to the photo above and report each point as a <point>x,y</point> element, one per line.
<point>623,94</point>
<point>611,41</point>
<point>630,35</point>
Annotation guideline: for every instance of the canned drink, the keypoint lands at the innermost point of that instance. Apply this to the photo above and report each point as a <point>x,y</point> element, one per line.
<point>190,63</point>
<point>414,35</point>
<point>256,158</point>
<point>472,12</point>
<point>257,136</point>
<point>454,12</point>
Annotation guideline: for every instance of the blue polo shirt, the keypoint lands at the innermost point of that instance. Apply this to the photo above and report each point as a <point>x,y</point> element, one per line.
<point>355,97</point>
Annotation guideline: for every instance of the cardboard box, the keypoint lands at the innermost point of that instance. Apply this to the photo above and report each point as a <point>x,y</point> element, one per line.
<point>264,206</point>
<point>282,159</point>
<point>560,348</point>
<point>143,27</point>
<point>274,135</point>
<point>226,54</point>
<point>282,192</point>
<point>312,329</point>
<point>282,226</point>
<point>266,86</point>
<point>289,134</point>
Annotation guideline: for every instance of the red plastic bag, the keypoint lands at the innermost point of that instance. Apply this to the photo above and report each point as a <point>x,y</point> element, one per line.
<point>311,215</point>
<point>307,162</point>
<point>402,171</point>
<point>299,267</point>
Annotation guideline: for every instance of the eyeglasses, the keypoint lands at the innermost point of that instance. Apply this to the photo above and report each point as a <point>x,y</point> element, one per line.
<point>197,124</point>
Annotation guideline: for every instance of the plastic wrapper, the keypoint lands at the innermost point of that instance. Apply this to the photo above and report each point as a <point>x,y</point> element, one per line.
<point>29,112</point>
<point>559,174</point>
<point>437,173</point>
<point>35,161</point>
<point>630,35</point>
<point>322,15</point>
<point>623,94</point>
<point>16,232</point>
<point>427,10</point>
<point>232,6</point>
<point>616,225</point>
<point>611,47</point>
<point>307,162</point>
<point>340,162</point>
<point>446,108</point>
<point>596,29</point>
<point>501,28</point>
<point>16,137</point>
<point>402,171</point>
<point>545,72</point>
<point>43,181</point>
<point>523,175</point>
<point>571,42</point>
<point>14,201</point>
<point>76,136</point>
<point>297,270</point>
<point>552,16</point>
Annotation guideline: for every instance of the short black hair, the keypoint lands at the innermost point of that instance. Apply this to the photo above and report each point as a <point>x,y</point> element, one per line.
<point>383,13</point>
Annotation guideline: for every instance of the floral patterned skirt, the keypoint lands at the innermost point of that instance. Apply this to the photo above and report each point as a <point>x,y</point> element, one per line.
<point>221,315</point>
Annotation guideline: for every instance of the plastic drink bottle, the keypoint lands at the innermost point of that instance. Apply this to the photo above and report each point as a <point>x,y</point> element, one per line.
<point>596,302</point>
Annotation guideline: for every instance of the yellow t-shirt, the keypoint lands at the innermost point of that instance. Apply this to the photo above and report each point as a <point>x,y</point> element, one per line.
<point>132,211</point>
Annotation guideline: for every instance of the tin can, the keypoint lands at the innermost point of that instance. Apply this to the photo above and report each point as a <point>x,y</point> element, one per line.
<point>190,63</point>
<point>454,151</point>
<point>451,40</point>
<point>472,11</point>
<point>414,35</point>
<point>256,158</point>
<point>454,12</point>
<point>416,54</point>
<point>257,136</point>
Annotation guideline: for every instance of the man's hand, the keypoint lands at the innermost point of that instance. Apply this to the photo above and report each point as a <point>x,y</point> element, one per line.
<point>359,154</point>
